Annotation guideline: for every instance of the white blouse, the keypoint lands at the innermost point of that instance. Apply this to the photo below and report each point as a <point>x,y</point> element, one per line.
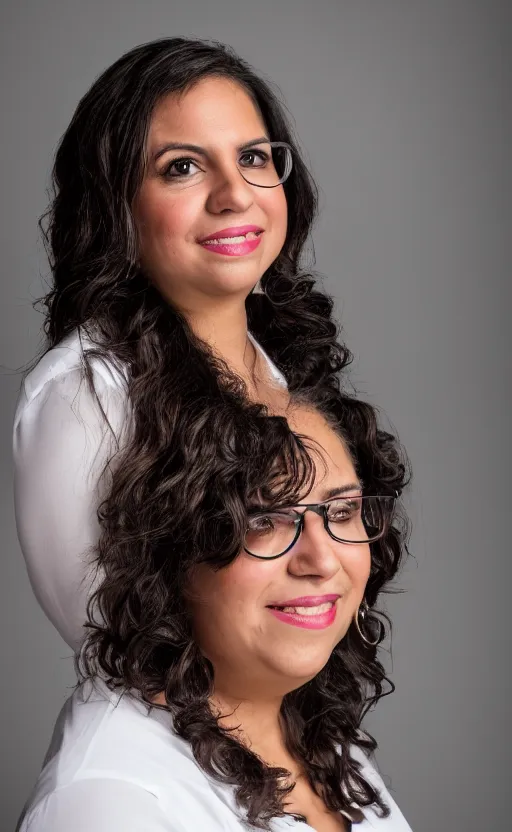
<point>115,766</point>
<point>60,446</point>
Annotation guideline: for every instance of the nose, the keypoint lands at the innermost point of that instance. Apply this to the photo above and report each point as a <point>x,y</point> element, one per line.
<point>315,553</point>
<point>229,191</point>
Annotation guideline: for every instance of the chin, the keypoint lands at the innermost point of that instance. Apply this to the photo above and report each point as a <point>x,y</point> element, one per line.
<point>298,670</point>
<point>232,284</point>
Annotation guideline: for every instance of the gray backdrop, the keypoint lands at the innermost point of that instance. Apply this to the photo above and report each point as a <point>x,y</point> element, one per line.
<point>403,108</point>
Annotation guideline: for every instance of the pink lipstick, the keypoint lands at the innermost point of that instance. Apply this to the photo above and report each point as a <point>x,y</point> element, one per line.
<point>312,612</point>
<point>233,241</point>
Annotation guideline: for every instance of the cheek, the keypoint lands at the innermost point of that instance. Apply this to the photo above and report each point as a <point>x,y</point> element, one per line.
<point>274,205</point>
<point>357,564</point>
<point>365,564</point>
<point>232,597</point>
<point>242,586</point>
<point>161,217</point>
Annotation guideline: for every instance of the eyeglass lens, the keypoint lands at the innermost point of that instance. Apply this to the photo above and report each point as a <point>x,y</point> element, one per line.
<point>266,165</point>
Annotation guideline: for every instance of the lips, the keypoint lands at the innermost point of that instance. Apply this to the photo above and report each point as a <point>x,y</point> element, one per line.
<point>305,601</point>
<point>313,612</point>
<point>309,618</point>
<point>232,232</point>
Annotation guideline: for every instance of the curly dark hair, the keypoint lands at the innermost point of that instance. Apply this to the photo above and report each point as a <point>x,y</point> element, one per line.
<point>198,449</point>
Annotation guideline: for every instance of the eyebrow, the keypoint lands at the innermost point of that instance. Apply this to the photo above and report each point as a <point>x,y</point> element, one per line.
<point>341,489</point>
<point>337,491</point>
<point>195,148</point>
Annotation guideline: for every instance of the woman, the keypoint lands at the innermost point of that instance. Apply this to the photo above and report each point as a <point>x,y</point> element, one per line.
<point>225,686</point>
<point>178,190</point>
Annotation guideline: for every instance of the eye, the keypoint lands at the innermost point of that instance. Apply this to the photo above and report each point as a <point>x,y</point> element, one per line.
<point>261,524</point>
<point>343,510</point>
<point>254,158</point>
<point>267,523</point>
<point>180,169</point>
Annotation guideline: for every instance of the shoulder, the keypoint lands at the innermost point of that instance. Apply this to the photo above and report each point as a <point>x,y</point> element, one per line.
<point>91,736</point>
<point>97,805</point>
<point>60,373</point>
<point>107,743</point>
<point>67,357</point>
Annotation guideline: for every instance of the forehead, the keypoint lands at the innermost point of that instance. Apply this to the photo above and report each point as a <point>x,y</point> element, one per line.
<point>334,466</point>
<point>213,109</point>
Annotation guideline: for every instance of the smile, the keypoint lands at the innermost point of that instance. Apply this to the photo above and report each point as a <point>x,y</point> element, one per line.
<point>234,246</point>
<point>251,235</point>
<point>312,618</point>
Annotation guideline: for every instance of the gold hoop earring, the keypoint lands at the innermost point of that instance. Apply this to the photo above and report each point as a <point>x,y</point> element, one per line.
<point>362,613</point>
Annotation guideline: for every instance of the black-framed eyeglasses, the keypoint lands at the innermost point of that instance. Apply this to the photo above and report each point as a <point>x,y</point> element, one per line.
<point>265,164</point>
<point>359,519</point>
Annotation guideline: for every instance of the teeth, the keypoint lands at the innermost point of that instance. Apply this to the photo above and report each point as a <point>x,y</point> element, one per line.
<point>309,610</point>
<point>230,240</point>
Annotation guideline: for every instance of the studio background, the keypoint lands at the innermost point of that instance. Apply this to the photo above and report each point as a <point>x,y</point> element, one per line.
<point>403,109</point>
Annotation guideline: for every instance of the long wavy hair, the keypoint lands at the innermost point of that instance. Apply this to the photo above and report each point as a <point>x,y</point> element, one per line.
<point>197,449</point>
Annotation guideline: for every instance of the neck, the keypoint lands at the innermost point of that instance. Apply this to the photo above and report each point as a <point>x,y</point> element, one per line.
<point>222,324</point>
<point>226,332</point>
<point>254,723</point>
<point>257,725</point>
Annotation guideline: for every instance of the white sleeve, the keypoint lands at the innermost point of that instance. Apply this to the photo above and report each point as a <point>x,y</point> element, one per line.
<point>60,445</point>
<point>96,805</point>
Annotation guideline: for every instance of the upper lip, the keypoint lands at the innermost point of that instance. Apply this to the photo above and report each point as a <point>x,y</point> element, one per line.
<point>306,601</point>
<point>234,231</point>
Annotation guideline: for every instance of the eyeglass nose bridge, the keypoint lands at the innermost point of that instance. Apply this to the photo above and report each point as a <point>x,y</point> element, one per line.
<point>317,508</point>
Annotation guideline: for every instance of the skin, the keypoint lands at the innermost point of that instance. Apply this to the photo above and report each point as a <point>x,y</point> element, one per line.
<point>208,288</point>
<point>257,659</point>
